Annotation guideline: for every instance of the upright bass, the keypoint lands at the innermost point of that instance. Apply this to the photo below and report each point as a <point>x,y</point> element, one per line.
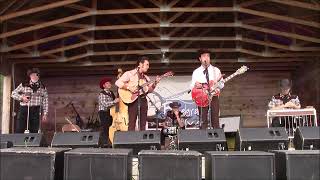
<point>120,116</point>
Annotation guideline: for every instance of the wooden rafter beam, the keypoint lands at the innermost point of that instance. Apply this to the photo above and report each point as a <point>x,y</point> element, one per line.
<point>279,17</point>
<point>3,10</point>
<point>124,40</point>
<point>37,9</point>
<point>299,4</point>
<point>177,15</point>
<point>251,3</point>
<point>44,25</point>
<point>72,25</point>
<point>78,7</point>
<point>44,40</point>
<point>155,25</point>
<point>275,32</point>
<point>159,51</point>
<point>279,46</point>
<point>155,18</point>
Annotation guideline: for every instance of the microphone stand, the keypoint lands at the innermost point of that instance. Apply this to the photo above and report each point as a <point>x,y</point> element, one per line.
<point>28,114</point>
<point>157,111</point>
<point>139,100</point>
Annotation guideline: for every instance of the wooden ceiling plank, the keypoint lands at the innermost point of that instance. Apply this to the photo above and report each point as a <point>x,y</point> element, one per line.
<point>7,7</point>
<point>251,3</point>
<point>173,3</point>
<point>279,46</point>
<point>78,7</point>
<point>177,15</point>
<point>279,17</point>
<point>47,39</point>
<point>44,25</point>
<point>72,25</point>
<point>155,2</point>
<point>37,9</point>
<point>155,18</point>
<point>285,34</point>
<point>299,4</point>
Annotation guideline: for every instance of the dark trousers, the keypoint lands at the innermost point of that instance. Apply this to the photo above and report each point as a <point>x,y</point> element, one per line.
<point>133,113</point>
<point>34,117</point>
<point>106,121</point>
<point>203,113</point>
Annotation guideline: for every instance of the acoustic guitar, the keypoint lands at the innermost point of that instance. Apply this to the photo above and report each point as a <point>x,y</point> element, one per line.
<point>200,95</point>
<point>120,116</point>
<point>128,97</point>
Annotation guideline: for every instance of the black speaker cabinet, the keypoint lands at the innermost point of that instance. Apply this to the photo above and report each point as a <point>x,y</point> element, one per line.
<point>173,165</point>
<point>202,140</point>
<point>307,138</point>
<point>98,163</point>
<point>261,139</point>
<point>137,140</point>
<point>6,144</point>
<point>76,139</point>
<point>34,163</point>
<point>239,165</point>
<point>24,140</point>
<point>298,164</point>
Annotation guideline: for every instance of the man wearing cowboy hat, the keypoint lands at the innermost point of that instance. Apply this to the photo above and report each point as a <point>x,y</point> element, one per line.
<point>175,114</point>
<point>284,100</point>
<point>202,76</point>
<point>33,94</point>
<point>106,100</point>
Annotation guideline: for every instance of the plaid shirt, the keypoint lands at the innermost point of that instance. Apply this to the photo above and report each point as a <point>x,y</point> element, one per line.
<point>280,99</point>
<point>39,96</point>
<point>106,100</point>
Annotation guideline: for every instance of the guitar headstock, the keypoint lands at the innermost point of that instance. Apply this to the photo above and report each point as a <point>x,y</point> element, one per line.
<point>242,70</point>
<point>169,73</point>
<point>120,72</point>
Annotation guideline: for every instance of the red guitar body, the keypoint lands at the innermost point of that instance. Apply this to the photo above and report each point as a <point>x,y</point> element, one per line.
<point>200,95</point>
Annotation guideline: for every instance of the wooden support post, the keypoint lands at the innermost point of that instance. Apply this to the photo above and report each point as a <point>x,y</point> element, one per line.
<point>6,99</point>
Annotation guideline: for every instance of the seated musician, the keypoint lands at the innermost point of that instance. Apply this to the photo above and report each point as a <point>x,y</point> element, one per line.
<point>284,100</point>
<point>173,121</point>
<point>173,116</point>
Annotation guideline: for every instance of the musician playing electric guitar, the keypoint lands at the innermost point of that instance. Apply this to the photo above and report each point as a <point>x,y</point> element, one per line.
<point>204,78</point>
<point>129,83</point>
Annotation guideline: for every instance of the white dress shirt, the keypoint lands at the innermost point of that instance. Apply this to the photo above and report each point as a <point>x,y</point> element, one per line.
<point>198,75</point>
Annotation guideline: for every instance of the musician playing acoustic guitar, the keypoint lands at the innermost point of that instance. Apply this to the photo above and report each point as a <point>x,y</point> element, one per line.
<point>204,77</point>
<point>129,82</point>
<point>106,100</point>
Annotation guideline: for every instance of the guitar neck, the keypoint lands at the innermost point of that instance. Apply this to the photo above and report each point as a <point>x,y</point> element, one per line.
<point>230,77</point>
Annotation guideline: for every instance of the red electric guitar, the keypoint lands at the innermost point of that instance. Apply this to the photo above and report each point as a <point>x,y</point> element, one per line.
<point>200,95</point>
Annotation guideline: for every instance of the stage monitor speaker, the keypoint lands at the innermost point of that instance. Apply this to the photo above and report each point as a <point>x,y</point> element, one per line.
<point>170,164</point>
<point>6,144</point>
<point>202,140</point>
<point>137,140</point>
<point>262,139</point>
<point>238,165</point>
<point>32,163</point>
<point>298,164</point>
<point>307,138</point>
<point>24,140</point>
<point>76,139</point>
<point>98,163</point>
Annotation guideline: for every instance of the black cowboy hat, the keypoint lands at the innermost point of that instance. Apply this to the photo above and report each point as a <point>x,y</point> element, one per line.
<point>33,70</point>
<point>174,105</point>
<point>285,83</point>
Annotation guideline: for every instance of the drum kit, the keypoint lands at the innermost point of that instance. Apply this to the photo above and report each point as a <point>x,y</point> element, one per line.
<point>170,130</point>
